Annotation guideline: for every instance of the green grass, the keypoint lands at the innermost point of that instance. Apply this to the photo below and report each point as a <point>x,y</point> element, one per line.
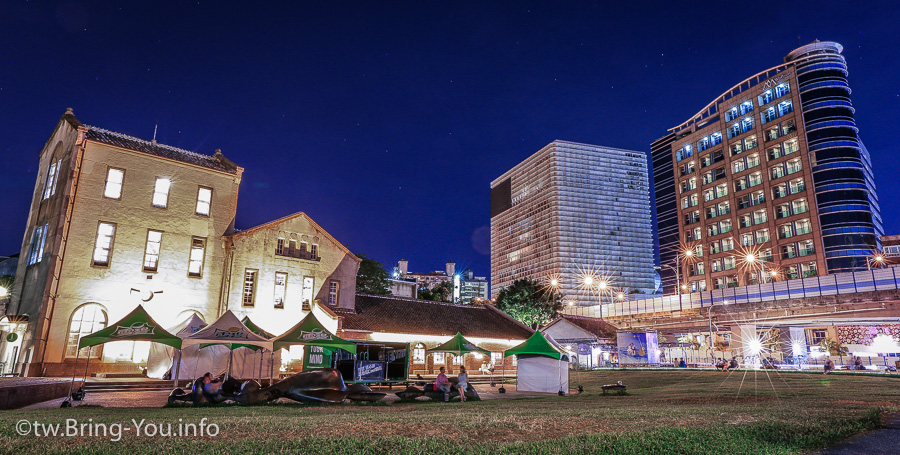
<point>665,412</point>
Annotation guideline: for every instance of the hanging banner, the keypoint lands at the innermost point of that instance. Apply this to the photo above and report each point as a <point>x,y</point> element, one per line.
<point>316,357</point>
<point>369,370</point>
<point>637,347</point>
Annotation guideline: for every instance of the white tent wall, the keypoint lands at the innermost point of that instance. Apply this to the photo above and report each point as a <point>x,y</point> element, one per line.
<point>542,374</point>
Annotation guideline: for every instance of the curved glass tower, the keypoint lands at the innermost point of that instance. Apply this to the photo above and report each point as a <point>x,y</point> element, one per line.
<point>772,170</point>
<point>849,215</point>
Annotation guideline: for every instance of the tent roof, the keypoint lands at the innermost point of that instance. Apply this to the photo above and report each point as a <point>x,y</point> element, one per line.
<point>227,331</point>
<point>136,326</point>
<point>194,324</point>
<point>459,346</point>
<point>255,328</point>
<point>310,331</point>
<point>537,344</point>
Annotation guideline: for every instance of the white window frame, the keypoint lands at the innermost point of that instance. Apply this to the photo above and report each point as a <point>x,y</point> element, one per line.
<point>280,289</point>
<point>196,257</point>
<point>112,189</point>
<point>161,192</point>
<point>103,244</point>
<point>152,250</point>
<point>418,356</point>
<point>334,290</point>
<point>248,291</point>
<point>38,238</point>
<point>204,204</point>
<point>50,183</point>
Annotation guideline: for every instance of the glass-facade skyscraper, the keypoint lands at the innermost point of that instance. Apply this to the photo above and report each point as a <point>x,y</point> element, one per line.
<point>768,181</point>
<point>574,210</point>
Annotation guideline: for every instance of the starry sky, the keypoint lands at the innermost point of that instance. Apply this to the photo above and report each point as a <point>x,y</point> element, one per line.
<point>387,121</point>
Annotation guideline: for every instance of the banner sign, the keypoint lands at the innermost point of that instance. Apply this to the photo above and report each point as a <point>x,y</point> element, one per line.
<point>637,348</point>
<point>369,370</point>
<point>584,349</point>
<point>316,357</point>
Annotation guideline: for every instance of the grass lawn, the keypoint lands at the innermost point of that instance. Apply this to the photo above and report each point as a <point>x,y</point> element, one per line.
<point>665,412</point>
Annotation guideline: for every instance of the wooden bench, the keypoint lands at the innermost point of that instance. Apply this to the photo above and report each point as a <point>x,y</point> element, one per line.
<point>619,388</point>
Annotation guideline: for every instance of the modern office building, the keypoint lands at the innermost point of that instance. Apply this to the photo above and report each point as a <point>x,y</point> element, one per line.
<point>773,168</point>
<point>570,211</point>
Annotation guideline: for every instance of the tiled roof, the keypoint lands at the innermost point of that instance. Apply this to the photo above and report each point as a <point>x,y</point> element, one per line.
<point>425,317</point>
<point>217,161</point>
<point>596,326</point>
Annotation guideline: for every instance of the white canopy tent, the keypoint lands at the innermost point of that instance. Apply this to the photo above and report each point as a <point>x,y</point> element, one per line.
<point>210,353</point>
<point>542,366</point>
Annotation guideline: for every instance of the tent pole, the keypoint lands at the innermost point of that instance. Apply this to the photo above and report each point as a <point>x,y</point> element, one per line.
<point>230,362</point>
<point>272,368</point>
<point>86,365</point>
<point>74,372</point>
<point>176,367</point>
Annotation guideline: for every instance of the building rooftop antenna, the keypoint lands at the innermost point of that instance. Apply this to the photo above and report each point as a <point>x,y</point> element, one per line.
<point>154,132</point>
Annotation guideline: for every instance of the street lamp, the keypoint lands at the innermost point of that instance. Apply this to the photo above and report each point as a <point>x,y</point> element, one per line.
<point>878,259</point>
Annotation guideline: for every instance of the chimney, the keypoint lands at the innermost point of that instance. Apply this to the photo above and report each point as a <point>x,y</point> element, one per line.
<point>403,265</point>
<point>451,268</point>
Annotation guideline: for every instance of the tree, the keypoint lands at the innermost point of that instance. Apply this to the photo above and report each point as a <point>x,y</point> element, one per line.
<point>441,292</point>
<point>372,277</point>
<point>529,303</point>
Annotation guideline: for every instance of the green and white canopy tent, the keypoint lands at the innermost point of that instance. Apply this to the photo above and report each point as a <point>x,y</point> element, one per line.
<point>309,331</point>
<point>459,346</point>
<point>136,326</point>
<point>229,332</point>
<point>542,367</point>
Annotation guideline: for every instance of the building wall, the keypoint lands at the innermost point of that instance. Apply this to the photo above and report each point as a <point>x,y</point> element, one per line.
<point>570,210</point>
<point>168,292</point>
<point>255,249</point>
<point>835,170</point>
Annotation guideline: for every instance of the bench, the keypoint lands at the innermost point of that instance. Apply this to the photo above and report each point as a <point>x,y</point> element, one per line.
<point>619,388</point>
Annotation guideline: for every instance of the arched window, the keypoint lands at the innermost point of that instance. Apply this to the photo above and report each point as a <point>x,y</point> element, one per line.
<point>86,320</point>
<point>419,353</point>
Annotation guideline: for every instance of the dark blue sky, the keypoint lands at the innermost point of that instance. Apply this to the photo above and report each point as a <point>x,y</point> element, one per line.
<point>386,121</point>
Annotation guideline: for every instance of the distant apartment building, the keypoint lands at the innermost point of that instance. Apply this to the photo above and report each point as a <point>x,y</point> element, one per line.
<point>768,181</point>
<point>465,286</point>
<point>570,211</point>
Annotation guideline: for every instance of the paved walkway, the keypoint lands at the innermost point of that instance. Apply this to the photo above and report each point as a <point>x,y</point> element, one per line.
<point>158,398</point>
<point>882,441</point>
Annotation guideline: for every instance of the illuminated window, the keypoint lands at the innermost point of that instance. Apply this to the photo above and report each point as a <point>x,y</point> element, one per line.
<point>38,237</point>
<point>161,192</point>
<point>204,199</point>
<point>419,353</point>
<point>114,178</point>
<point>497,358</point>
<point>334,287</point>
<point>151,252</point>
<point>106,232</point>
<point>438,358</point>
<point>249,286</point>
<point>280,289</point>
<point>50,184</point>
<point>85,321</point>
<point>195,263</point>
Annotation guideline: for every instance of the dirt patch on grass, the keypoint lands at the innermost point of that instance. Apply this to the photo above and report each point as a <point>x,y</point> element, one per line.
<point>718,399</point>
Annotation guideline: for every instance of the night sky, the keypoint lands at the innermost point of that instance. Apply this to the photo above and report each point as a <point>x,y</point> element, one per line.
<point>387,121</point>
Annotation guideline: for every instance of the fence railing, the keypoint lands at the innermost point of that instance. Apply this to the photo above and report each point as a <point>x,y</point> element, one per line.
<point>840,283</point>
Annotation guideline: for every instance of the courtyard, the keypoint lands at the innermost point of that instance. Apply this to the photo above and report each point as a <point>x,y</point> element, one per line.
<point>664,411</point>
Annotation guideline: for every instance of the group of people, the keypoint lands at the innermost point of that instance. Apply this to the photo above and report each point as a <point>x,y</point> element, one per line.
<point>726,365</point>
<point>442,383</point>
<point>679,363</point>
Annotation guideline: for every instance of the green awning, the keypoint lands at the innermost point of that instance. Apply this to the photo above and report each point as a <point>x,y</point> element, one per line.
<point>537,344</point>
<point>459,346</point>
<point>137,326</point>
<point>309,331</point>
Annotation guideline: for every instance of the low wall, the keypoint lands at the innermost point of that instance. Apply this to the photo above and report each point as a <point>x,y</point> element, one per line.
<point>19,392</point>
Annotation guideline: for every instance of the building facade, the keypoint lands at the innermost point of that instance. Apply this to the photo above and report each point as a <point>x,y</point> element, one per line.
<point>572,211</point>
<point>117,221</point>
<point>768,181</point>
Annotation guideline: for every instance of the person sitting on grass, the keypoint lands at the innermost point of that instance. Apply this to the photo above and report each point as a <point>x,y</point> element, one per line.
<point>210,384</point>
<point>443,384</point>
<point>682,364</point>
<point>857,364</point>
<point>721,366</point>
<point>733,364</point>
<point>462,383</point>
<point>829,366</point>
<point>725,365</point>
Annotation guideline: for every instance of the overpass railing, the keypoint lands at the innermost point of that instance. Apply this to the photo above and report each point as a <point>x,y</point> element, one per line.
<point>840,283</point>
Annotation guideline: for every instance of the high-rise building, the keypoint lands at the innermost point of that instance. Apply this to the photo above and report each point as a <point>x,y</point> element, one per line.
<point>571,211</point>
<point>768,181</point>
